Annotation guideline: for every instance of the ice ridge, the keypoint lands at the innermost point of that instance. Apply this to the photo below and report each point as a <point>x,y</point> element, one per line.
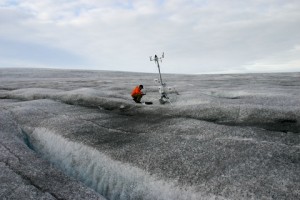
<point>111,178</point>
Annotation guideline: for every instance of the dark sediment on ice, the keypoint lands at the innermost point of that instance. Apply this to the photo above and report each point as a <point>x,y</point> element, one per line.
<point>224,136</point>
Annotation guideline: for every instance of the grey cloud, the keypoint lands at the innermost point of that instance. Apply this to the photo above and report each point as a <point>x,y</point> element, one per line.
<point>200,35</point>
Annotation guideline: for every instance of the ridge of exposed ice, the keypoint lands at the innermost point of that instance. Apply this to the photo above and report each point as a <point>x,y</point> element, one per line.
<point>111,178</point>
<point>281,118</point>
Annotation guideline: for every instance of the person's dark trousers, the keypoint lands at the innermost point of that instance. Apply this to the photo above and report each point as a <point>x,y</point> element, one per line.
<point>137,98</point>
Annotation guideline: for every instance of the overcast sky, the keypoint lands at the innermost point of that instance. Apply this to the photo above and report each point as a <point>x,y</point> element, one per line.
<point>197,36</point>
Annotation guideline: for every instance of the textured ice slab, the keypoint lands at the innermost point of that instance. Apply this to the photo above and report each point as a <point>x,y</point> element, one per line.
<point>24,175</point>
<point>224,136</point>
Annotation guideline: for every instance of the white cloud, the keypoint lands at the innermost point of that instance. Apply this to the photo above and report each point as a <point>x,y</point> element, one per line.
<point>197,36</point>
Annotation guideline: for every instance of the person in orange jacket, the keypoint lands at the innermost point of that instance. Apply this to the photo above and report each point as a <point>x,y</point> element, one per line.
<point>137,93</point>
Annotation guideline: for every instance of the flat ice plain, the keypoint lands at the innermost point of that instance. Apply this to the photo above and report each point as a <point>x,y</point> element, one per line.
<point>71,134</point>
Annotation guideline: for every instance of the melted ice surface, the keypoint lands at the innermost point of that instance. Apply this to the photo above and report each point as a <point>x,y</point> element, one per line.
<point>224,136</point>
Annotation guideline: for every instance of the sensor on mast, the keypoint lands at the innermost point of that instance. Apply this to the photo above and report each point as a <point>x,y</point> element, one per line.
<point>162,89</point>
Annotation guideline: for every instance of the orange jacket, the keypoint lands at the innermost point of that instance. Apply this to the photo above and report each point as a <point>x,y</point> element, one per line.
<point>136,91</point>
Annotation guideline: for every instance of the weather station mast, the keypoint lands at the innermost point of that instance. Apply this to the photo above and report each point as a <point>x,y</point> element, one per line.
<point>157,59</point>
<point>162,89</point>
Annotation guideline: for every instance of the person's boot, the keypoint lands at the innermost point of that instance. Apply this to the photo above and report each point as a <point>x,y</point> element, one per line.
<point>136,101</point>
